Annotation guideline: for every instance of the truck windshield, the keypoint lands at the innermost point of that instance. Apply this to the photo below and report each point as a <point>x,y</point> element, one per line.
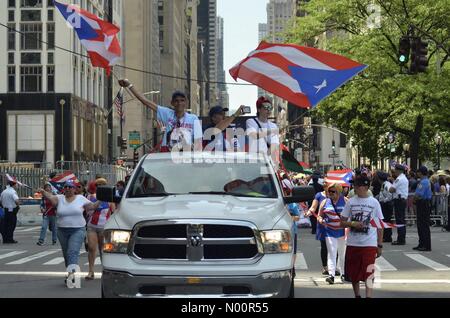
<point>162,178</point>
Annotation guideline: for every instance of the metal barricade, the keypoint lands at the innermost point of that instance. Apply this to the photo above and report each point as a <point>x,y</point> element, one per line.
<point>440,208</point>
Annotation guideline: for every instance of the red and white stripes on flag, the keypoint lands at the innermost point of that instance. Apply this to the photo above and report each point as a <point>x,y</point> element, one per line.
<point>118,102</point>
<point>342,177</point>
<point>11,179</point>
<point>380,224</point>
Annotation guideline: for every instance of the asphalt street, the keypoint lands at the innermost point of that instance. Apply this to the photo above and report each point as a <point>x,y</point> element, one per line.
<point>29,271</point>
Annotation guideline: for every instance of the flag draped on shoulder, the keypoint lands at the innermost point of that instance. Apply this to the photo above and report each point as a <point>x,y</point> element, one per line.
<point>99,37</point>
<point>342,177</point>
<point>301,75</point>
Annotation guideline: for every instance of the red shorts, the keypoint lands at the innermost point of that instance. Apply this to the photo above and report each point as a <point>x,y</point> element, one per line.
<point>359,263</point>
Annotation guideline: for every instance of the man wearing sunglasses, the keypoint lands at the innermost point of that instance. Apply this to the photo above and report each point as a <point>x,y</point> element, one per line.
<point>263,134</point>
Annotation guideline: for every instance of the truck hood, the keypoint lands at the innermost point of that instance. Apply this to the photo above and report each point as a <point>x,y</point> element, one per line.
<point>264,213</point>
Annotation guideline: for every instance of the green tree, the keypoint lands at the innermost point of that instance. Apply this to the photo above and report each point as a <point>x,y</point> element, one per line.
<point>384,97</point>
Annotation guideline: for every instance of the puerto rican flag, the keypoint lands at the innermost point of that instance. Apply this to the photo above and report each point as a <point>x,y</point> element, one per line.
<point>99,37</point>
<point>59,181</point>
<point>380,224</point>
<point>342,177</point>
<point>13,179</point>
<point>301,75</point>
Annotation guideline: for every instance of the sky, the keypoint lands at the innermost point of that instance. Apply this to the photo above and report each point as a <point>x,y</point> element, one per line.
<point>241,18</point>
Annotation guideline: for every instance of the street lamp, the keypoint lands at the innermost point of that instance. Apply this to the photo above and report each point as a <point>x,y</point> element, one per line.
<point>406,150</point>
<point>438,141</point>
<point>62,102</point>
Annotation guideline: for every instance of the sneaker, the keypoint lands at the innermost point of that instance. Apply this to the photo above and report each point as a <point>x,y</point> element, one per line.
<point>325,272</point>
<point>337,273</point>
<point>330,280</point>
<point>40,243</point>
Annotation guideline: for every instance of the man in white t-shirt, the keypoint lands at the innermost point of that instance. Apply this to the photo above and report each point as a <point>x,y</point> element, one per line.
<point>264,134</point>
<point>400,192</point>
<point>364,242</point>
<point>182,129</point>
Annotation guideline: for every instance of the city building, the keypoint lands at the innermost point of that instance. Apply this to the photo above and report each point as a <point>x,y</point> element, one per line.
<point>142,52</point>
<point>207,33</point>
<point>262,35</point>
<point>221,86</point>
<point>53,105</point>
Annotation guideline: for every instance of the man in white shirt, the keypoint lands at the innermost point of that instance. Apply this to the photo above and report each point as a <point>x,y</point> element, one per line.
<point>400,192</point>
<point>387,205</point>
<point>10,203</point>
<point>264,134</point>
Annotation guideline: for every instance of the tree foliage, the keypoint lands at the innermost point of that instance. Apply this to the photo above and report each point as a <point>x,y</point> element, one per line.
<point>383,97</point>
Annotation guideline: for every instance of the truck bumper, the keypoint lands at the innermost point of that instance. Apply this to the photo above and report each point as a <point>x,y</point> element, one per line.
<point>121,284</point>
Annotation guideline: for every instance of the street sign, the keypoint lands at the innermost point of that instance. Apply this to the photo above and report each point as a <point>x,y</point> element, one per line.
<point>331,156</point>
<point>134,139</point>
<point>309,131</point>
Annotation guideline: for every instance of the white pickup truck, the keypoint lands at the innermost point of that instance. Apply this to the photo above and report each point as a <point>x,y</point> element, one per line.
<point>208,226</point>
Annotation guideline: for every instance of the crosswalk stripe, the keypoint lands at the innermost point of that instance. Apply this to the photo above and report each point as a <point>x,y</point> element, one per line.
<point>55,261</point>
<point>428,262</point>
<point>300,263</point>
<point>382,265</point>
<point>12,254</point>
<point>31,229</point>
<point>97,261</point>
<point>32,257</point>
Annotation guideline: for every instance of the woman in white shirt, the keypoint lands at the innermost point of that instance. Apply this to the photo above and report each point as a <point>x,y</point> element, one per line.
<point>71,224</point>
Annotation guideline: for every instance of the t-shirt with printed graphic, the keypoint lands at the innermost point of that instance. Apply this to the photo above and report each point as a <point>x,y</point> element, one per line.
<point>186,129</point>
<point>362,210</point>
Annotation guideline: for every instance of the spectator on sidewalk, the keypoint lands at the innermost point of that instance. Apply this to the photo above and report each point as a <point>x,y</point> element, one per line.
<point>364,242</point>
<point>10,202</point>
<point>48,218</point>
<point>400,192</point>
<point>423,198</point>
<point>386,200</point>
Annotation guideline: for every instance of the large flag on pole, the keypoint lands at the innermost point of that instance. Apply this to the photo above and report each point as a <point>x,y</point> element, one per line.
<point>59,181</point>
<point>301,75</point>
<point>99,37</point>
<point>290,163</point>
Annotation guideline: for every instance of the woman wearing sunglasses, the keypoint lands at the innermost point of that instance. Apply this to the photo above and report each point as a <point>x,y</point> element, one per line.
<point>330,216</point>
<point>71,224</point>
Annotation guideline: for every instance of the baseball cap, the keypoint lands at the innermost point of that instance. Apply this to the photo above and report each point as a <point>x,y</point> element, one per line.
<point>361,181</point>
<point>264,102</point>
<point>423,170</point>
<point>178,94</point>
<point>399,167</point>
<point>217,110</point>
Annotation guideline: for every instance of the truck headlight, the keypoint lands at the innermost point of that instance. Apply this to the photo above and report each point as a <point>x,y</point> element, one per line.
<point>276,241</point>
<point>116,241</point>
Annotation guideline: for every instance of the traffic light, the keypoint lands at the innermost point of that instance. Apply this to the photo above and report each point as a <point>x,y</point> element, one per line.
<point>135,157</point>
<point>404,50</point>
<point>419,58</point>
<point>123,143</point>
<point>333,146</point>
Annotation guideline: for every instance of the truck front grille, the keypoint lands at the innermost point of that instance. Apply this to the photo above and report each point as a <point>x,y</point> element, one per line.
<point>195,242</point>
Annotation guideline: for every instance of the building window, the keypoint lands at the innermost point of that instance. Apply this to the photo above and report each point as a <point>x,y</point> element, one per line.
<point>11,58</point>
<point>51,78</point>
<point>31,78</point>
<point>31,36</point>
<point>30,58</point>
<point>31,3</point>
<point>50,36</point>
<point>11,3</point>
<point>50,3</point>
<point>11,36</point>
<point>11,79</point>
<point>30,15</point>
<point>50,16</point>
<point>50,58</point>
<point>11,16</point>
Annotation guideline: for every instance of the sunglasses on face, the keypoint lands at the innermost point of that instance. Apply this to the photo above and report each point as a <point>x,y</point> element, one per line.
<point>331,192</point>
<point>69,187</point>
<point>267,106</point>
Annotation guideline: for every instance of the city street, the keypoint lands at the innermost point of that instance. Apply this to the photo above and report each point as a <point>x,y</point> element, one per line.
<point>28,270</point>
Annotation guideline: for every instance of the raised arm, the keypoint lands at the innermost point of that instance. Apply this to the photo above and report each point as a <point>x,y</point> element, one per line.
<point>53,198</point>
<point>126,83</point>
<point>229,120</point>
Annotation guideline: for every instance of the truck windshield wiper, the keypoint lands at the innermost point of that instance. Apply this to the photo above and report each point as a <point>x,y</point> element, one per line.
<point>234,194</point>
<point>154,194</point>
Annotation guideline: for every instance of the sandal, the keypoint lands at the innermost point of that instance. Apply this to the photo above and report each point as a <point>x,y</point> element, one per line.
<point>90,276</point>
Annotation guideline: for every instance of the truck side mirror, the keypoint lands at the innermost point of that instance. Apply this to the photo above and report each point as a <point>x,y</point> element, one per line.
<point>301,194</point>
<point>107,194</point>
